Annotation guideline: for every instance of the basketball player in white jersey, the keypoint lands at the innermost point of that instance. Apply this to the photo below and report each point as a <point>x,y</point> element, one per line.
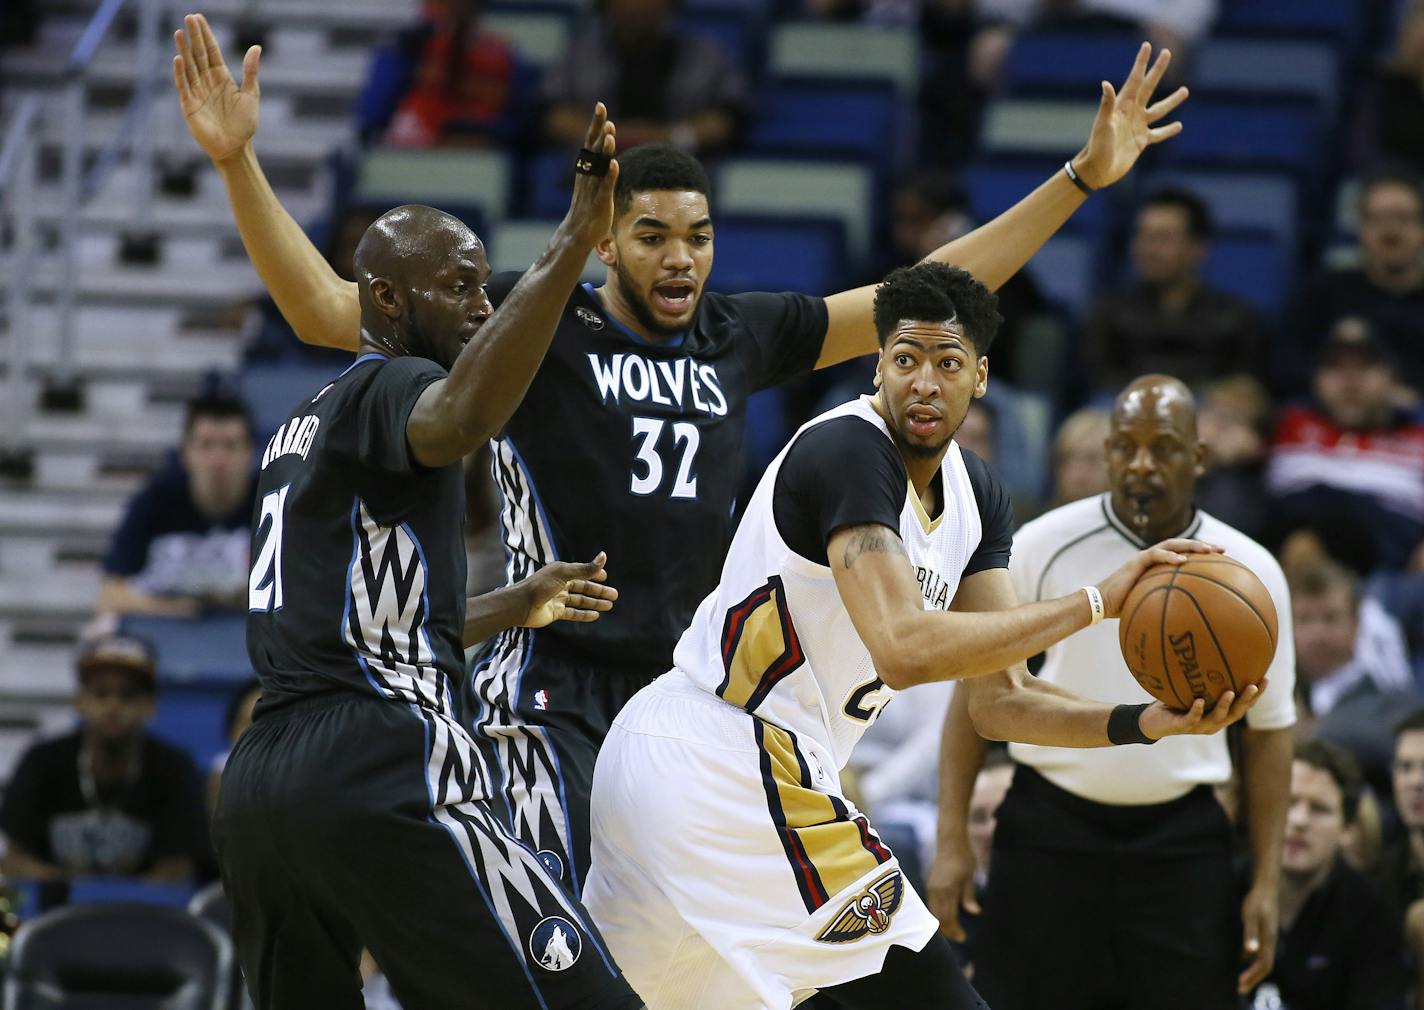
<point>729,872</point>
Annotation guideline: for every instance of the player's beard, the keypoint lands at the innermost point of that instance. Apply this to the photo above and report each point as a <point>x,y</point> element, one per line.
<point>921,450</point>
<point>642,311</point>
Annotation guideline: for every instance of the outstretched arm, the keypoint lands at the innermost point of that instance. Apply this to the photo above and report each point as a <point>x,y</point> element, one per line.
<point>454,415</point>
<point>222,116</point>
<point>994,252</point>
<point>561,591</point>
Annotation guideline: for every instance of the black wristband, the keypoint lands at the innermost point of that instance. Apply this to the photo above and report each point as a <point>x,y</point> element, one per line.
<point>592,162</point>
<point>1124,725</point>
<point>1077,180</point>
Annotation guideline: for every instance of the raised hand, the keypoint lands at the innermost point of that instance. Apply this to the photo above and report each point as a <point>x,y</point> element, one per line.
<point>568,591</point>
<point>590,215</point>
<point>1124,126</point>
<point>1169,552</point>
<point>221,115</point>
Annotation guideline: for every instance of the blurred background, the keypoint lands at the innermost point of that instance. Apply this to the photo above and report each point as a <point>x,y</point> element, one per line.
<point>1272,256</point>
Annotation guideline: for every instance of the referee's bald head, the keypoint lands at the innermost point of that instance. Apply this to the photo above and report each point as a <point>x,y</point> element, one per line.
<point>1160,396</point>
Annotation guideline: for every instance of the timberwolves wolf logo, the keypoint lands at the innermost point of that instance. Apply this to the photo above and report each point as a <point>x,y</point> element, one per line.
<point>868,912</point>
<point>551,862</point>
<point>555,943</point>
<point>387,609</point>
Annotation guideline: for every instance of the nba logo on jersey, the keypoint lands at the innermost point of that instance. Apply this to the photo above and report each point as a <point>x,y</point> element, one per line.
<point>555,943</point>
<point>541,700</point>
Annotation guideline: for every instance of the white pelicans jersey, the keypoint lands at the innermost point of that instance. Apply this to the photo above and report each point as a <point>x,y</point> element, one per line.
<point>774,638</point>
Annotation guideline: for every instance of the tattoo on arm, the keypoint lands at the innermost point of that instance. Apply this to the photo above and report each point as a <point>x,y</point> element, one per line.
<point>872,539</point>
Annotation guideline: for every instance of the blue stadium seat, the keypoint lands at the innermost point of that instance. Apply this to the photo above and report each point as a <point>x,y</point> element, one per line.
<point>192,716</point>
<point>196,649</point>
<point>549,183</point>
<point>789,254</point>
<point>737,31</point>
<point>994,187</point>
<point>1068,65</point>
<point>1252,266</point>
<point>1338,19</point>
<point>1066,268</point>
<point>87,890</point>
<point>1261,202</point>
<point>1265,68</point>
<point>1233,135</point>
<point>858,120</point>
<point>273,391</point>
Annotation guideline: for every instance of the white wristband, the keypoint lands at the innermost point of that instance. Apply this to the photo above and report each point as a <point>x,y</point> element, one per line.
<point>1095,604</point>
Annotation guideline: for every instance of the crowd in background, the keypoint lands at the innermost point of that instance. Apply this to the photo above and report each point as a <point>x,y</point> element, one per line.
<point>1314,425</point>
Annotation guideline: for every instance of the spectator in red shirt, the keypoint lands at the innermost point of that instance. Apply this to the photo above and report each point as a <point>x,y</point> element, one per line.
<point>1353,451</point>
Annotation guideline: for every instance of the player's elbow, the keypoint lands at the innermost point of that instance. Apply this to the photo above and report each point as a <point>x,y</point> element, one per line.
<point>990,701</point>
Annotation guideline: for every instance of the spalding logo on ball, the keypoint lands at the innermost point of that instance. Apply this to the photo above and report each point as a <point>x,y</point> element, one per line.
<point>1198,630</point>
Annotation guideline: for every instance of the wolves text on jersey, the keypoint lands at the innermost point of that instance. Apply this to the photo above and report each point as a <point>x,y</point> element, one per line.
<point>669,383</point>
<point>295,435</point>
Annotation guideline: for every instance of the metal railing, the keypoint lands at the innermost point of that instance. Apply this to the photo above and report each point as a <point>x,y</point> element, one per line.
<point>19,154</point>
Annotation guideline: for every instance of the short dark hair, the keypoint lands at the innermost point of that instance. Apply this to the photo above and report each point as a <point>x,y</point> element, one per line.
<point>1341,766</point>
<point>1393,176</point>
<point>937,291</point>
<point>1199,222</point>
<point>220,406</point>
<point>1411,723</point>
<point>654,167</point>
<point>1315,580</point>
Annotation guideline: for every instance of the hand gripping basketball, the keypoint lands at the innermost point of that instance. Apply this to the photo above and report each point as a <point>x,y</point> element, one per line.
<point>1169,552</point>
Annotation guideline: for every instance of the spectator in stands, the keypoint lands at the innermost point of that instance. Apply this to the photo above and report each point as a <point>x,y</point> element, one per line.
<point>1339,947</point>
<point>1080,459</point>
<point>181,549</point>
<point>663,85</point>
<point>1171,321</point>
<point>1393,106</point>
<point>1401,872</point>
<point>107,799</point>
<point>1386,290</point>
<point>1353,451</point>
<point>1233,420</point>
<point>445,82</point>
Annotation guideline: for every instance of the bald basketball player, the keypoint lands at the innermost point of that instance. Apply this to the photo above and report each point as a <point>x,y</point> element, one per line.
<point>1112,883</point>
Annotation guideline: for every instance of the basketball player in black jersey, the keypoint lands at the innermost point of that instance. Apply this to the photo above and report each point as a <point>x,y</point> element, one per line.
<point>355,812</point>
<point>630,435</point>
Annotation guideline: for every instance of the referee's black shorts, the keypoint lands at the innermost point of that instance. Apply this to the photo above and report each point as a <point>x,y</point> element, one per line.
<point>347,822</point>
<point>1098,907</point>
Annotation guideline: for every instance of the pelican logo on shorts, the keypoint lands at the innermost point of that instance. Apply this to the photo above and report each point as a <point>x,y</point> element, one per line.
<point>551,862</point>
<point>589,318</point>
<point>555,943</point>
<point>868,912</point>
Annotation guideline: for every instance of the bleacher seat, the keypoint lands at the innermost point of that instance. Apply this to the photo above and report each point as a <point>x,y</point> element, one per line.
<point>861,121</point>
<point>842,51</point>
<point>1267,68</point>
<point>737,31</point>
<point>753,254</point>
<point>1044,128</point>
<point>548,180</point>
<point>211,905</point>
<point>1251,266</point>
<point>135,956</point>
<point>1238,202</point>
<point>539,37</point>
<point>1232,135</point>
<point>1337,19</point>
<point>516,243</point>
<point>1066,269</point>
<point>196,649</point>
<point>800,189</point>
<point>133,890</point>
<point>995,187</point>
<point>272,392</point>
<point>442,178</point>
<point>193,717</point>
<point>1067,63</point>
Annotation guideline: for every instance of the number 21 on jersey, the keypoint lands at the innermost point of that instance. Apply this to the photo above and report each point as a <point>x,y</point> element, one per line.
<point>648,468</point>
<point>264,585</point>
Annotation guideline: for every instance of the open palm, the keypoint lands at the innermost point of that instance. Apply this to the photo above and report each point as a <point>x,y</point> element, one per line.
<point>1125,123</point>
<point>221,115</point>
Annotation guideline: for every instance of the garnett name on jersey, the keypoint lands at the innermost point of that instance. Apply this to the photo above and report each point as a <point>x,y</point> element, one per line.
<point>294,436</point>
<point>669,383</point>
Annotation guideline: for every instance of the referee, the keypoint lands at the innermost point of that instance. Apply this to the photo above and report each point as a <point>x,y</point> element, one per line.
<point>1112,875</point>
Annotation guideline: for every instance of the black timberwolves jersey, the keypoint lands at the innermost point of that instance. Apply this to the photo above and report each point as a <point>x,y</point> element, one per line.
<point>358,563</point>
<point>635,448</point>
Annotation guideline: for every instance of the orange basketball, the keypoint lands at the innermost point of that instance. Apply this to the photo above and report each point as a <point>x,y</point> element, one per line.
<point>1197,630</point>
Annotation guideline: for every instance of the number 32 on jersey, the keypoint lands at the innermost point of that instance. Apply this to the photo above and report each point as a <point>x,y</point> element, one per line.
<point>649,470</point>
